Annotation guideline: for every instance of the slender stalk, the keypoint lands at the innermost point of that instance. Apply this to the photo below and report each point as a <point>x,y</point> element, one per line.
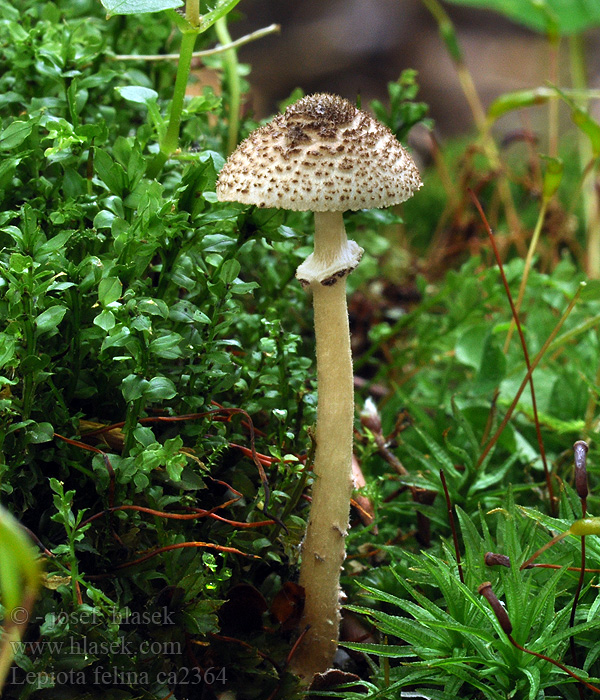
<point>591,687</point>
<point>527,268</point>
<point>75,299</point>
<point>572,646</point>
<point>192,12</point>
<point>557,538</point>
<point>134,411</point>
<point>330,239</point>
<point>246,39</point>
<point>233,82</point>
<point>323,548</point>
<point>171,141</point>
<point>29,381</point>
<point>593,232</point>
<point>554,46</point>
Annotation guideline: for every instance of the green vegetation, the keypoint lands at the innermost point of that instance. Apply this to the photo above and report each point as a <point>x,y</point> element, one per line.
<point>158,391</point>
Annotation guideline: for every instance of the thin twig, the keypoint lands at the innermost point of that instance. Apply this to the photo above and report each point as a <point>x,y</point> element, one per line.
<point>199,513</point>
<point>246,39</point>
<point>591,687</point>
<point>557,538</point>
<point>485,589</point>
<point>105,458</point>
<point>204,414</point>
<point>170,548</point>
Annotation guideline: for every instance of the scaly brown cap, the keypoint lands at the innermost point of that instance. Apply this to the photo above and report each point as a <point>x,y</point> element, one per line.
<point>321,154</point>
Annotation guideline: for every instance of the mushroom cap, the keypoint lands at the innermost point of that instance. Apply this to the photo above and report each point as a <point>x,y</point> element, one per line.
<point>321,154</point>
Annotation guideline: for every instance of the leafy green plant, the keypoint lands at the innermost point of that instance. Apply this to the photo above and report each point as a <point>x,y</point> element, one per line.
<point>403,112</point>
<point>452,643</point>
<point>120,295</point>
<point>195,20</point>
<point>157,400</point>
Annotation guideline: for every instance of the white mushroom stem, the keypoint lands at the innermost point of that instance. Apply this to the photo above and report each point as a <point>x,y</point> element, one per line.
<point>323,548</point>
<point>334,256</point>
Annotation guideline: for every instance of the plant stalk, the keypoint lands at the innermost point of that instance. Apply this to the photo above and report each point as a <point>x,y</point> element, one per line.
<point>527,268</point>
<point>553,58</point>
<point>192,12</point>
<point>233,82</point>
<point>171,141</point>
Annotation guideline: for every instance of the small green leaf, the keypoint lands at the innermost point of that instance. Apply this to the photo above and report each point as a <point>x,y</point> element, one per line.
<point>492,367</point>
<point>7,348</point>
<point>552,176</point>
<point>216,242</point>
<point>138,7</point>
<point>111,173</point>
<point>144,436</point>
<point>187,313</point>
<point>40,432</point>
<point>137,94</point>
<point>229,271</point>
<point>160,388</point>
<point>391,651</point>
<point>133,387</point>
<point>221,8</point>
<point>105,320</point>
<point>53,244</point>
<point>118,337</point>
<point>104,219</point>
<point>166,346</point>
<point>469,347</point>
<point>19,263</point>
<point>109,290</point>
<point>174,466</point>
<point>591,291</point>
<point>153,307</point>
<point>15,134</point>
<point>518,100</point>
<point>587,124</point>
<point>50,318</point>
<point>589,127</point>
<point>243,287</point>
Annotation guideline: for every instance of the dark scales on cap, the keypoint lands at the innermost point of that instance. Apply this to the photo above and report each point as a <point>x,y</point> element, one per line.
<point>321,154</point>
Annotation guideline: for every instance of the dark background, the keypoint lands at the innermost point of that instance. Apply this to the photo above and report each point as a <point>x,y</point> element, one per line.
<point>358,46</point>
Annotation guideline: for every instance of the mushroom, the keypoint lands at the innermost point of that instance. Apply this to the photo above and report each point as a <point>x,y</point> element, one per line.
<point>324,155</point>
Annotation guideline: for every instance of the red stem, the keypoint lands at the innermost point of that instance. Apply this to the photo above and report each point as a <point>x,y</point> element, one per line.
<point>525,353</point>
